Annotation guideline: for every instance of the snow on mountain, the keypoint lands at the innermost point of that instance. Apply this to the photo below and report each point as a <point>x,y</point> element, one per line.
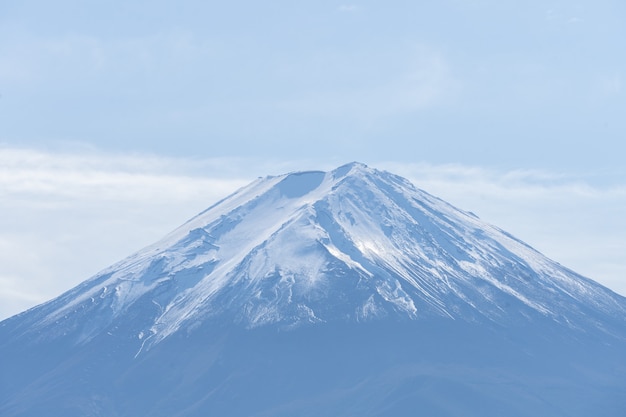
<point>342,293</point>
<point>351,244</point>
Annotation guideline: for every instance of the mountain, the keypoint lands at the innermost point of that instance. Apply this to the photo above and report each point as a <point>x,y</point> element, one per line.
<point>348,292</point>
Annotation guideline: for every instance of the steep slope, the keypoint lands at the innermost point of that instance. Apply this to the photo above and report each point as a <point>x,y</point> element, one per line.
<point>228,298</point>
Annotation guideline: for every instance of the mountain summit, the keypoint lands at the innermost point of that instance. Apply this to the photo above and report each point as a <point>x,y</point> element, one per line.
<point>356,251</point>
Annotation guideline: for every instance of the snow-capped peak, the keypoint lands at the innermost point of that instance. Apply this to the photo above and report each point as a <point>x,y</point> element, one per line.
<point>352,244</point>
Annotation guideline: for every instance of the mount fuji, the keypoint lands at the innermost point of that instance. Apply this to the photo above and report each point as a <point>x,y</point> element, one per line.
<point>341,293</point>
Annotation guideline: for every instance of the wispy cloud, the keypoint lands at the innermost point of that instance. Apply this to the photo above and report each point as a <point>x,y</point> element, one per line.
<point>97,177</point>
<point>421,79</point>
<point>44,62</point>
<point>348,8</point>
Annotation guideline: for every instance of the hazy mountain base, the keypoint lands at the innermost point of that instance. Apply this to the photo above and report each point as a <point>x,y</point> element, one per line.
<point>431,368</point>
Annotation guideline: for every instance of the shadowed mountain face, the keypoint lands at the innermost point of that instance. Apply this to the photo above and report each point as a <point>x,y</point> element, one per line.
<point>338,293</point>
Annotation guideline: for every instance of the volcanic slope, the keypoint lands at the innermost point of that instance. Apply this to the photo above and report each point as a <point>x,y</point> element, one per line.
<point>348,292</point>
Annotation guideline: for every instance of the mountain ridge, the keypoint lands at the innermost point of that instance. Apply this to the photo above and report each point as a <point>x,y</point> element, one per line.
<point>348,292</point>
<point>284,236</point>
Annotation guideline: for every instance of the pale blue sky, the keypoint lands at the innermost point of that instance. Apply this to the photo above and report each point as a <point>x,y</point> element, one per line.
<point>535,84</point>
<point>514,110</point>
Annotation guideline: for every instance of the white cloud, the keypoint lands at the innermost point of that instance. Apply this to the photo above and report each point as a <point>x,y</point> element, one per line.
<point>93,175</point>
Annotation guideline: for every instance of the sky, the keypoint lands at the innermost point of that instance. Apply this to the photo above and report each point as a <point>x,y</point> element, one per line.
<point>120,120</point>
